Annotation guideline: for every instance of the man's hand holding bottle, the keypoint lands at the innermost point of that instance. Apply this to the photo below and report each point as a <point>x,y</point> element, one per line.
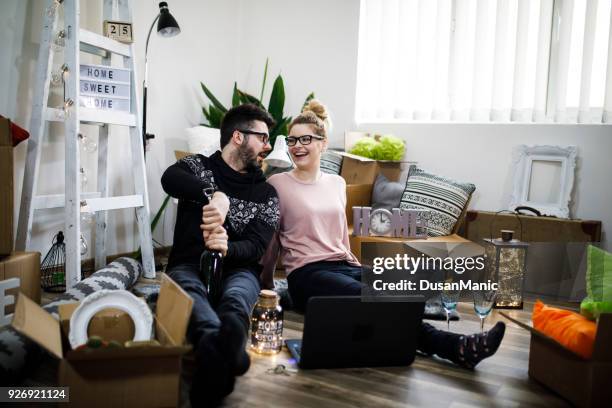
<point>213,217</point>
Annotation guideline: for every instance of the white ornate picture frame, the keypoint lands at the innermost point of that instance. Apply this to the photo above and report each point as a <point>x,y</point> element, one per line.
<point>523,166</point>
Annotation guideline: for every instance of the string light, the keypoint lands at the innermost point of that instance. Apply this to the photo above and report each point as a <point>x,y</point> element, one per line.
<point>83,245</point>
<point>86,218</point>
<point>87,143</point>
<point>52,9</point>
<point>63,112</point>
<point>83,176</point>
<point>59,40</point>
<point>59,77</point>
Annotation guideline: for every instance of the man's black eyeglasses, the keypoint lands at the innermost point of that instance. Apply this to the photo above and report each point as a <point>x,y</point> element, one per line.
<point>304,140</point>
<point>264,137</point>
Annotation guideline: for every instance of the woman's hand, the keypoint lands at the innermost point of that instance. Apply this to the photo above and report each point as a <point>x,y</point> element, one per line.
<point>214,213</point>
<point>217,240</point>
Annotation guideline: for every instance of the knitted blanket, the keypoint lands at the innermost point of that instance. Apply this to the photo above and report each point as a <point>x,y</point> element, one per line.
<point>19,355</point>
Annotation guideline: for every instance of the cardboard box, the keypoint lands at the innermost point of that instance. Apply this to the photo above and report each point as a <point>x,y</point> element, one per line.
<point>6,188</point>
<point>179,154</point>
<point>361,170</point>
<point>118,377</point>
<point>585,383</point>
<point>556,260</point>
<point>535,229</point>
<point>357,195</point>
<point>26,267</point>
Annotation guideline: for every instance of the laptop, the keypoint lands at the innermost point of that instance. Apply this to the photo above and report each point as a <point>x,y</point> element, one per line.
<point>343,331</point>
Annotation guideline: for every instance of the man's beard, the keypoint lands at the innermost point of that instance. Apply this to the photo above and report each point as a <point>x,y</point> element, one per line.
<point>248,157</point>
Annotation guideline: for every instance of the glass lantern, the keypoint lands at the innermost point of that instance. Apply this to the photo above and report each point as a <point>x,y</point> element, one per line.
<point>267,324</point>
<point>506,259</point>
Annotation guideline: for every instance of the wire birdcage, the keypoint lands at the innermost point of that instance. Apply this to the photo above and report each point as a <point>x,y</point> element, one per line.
<point>53,267</point>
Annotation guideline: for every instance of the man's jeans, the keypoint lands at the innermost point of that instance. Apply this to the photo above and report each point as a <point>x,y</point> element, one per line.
<point>239,294</point>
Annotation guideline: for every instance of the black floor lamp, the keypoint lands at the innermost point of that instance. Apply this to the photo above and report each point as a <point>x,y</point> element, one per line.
<point>166,27</point>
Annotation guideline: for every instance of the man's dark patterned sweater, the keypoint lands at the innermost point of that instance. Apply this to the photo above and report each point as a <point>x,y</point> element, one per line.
<point>250,223</point>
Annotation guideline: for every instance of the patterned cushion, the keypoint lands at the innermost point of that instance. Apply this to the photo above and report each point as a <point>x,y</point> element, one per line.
<point>331,162</point>
<point>444,198</point>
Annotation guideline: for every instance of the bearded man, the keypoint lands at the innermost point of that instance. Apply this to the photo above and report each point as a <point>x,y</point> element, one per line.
<point>239,222</point>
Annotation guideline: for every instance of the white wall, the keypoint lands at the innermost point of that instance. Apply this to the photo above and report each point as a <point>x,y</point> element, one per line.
<point>314,45</point>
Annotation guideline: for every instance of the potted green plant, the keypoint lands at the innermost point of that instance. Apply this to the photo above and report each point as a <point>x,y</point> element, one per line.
<point>214,112</point>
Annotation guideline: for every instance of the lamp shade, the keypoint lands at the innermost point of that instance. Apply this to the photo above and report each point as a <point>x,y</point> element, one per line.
<point>166,25</point>
<point>279,156</point>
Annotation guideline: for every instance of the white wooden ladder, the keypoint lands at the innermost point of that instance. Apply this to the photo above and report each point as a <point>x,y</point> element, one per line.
<point>74,202</point>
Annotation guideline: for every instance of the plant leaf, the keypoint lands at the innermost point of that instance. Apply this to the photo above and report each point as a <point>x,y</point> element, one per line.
<point>277,99</point>
<point>279,129</point>
<point>263,85</point>
<point>216,115</point>
<point>308,99</point>
<point>159,213</point>
<point>246,98</point>
<point>212,98</point>
<point>235,96</point>
<point>138,253</point>
<point>206,114</point>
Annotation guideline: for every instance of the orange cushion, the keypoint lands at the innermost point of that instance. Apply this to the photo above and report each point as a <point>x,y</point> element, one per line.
<point>570,329</point>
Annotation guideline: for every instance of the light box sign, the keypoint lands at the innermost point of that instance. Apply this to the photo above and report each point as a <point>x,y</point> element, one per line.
<point>104,87</point>
<point>104,73</point>
<point>96,102</point>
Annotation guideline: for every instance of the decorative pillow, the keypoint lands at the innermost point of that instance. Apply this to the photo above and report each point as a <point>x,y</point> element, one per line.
<point>331,162</point>
<point>445,198</point>
<point>598,283</point>
<point>203,140</point>
<point>386,193</point>
<point>571,330</point>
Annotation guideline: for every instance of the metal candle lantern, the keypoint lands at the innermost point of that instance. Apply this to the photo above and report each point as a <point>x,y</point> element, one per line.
<point>267,324</point>
<point>507,259</point>
<point>53,267</point>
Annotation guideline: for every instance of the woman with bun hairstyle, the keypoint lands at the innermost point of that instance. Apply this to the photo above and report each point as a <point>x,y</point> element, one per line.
<point>313,241</point>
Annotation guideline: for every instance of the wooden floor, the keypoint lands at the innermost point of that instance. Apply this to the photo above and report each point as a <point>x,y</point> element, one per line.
<point>429,382</point>
<point>499,381</point>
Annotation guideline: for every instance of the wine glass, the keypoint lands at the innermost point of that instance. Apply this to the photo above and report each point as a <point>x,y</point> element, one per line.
<point>449,299</point>
<point>483,302</point>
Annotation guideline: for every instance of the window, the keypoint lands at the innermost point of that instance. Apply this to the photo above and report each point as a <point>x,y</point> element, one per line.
<point>485,61</point>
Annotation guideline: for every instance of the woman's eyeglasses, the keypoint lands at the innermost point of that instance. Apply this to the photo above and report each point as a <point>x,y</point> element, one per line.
<point>304,140</point>
<point>264,137</point>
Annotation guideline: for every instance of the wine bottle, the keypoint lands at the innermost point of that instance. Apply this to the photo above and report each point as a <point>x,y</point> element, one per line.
<point>211,265</point>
